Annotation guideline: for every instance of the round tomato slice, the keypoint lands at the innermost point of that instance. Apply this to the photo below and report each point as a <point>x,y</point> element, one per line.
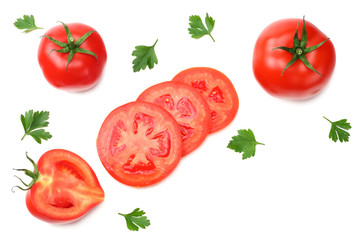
<point>187,106</point>
<point>139,143</point>
<point>217,90</point>
<point>66,189</point>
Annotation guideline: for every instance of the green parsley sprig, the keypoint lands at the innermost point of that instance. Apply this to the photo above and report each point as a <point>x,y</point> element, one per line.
<point>33,123</point>
<point>244,142</point>
<point>136,219</point>
<point>338,130</point>
<point>27,23</point>
<point>145,57</point>
<point>197,28</point>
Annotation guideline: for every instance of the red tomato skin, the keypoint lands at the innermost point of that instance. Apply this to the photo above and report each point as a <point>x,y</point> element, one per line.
<point>297,82</point>
<point>44,190</point>
<point>84,71</point>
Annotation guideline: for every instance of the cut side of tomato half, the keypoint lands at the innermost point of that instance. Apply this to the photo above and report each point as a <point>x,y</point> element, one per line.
<point>66,189</point>
<point>139,143</point>
<point>187,106</point>
<point>218,91</point>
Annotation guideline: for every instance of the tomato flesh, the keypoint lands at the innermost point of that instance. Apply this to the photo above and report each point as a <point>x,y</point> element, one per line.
<point>66,190</point>
<point>187,106</point>
<point>139,143</point>
<point>217,90</point>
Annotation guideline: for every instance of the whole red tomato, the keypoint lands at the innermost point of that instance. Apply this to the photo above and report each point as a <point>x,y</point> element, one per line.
<point>72,56</point>
<point>291,61</point>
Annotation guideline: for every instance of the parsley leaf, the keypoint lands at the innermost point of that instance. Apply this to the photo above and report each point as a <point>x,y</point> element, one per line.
<point>244,142</point>
<point>338,130</point>
<point>197,28</point>
<point>145,56</point>
<point>27,23</point>
<point>135,219</point>
<point>33,122</point>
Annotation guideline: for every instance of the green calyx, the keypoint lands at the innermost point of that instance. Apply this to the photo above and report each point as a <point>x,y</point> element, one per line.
<point>72,46</point>
<point>32,174</point>
<point>299,50</point>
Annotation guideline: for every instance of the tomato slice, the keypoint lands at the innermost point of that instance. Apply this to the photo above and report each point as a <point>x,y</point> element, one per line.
<point>187,106</point>
<point>66,189</point>
<point>139,143</point>
<point>217,90</point>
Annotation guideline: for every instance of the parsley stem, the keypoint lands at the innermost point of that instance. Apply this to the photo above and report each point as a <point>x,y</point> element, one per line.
<point>212,37</point>
<point>327,119</point>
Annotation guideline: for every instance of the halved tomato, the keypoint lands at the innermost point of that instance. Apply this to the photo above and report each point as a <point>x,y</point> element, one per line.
<point>139,143</point>
<point>217,90</point>
<point>64,187</point>
<point>187,106</point>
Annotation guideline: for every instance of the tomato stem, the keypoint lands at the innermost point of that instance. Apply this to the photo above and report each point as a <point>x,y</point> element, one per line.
<point>32,174</point>
<point>299,49</point>
<point>72,43</point>
<point>72,46</point>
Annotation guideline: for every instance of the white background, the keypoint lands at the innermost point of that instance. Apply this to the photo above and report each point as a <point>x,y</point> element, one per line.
<point>300,185</point>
